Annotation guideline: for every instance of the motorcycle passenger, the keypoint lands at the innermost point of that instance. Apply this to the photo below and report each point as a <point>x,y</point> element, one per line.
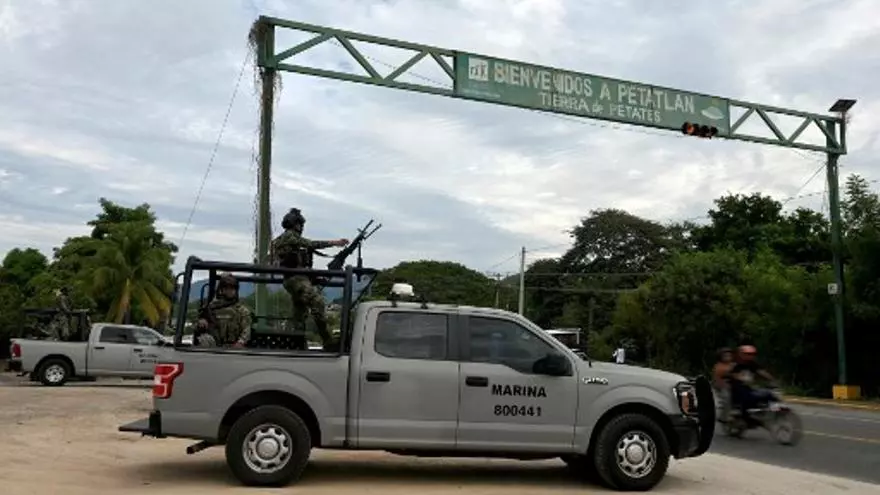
<point>741,378</point>
<point>720,373</point>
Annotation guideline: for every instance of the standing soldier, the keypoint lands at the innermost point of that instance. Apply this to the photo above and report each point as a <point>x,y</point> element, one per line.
<point>225,321</point>
<point>292,250</point>
<point>60,326</point>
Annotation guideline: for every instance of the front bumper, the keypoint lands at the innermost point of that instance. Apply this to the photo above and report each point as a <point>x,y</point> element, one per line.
<point>694,432</point>
<point>150,426</point>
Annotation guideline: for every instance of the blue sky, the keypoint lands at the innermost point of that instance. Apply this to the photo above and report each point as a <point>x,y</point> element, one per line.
<point>125,99</point>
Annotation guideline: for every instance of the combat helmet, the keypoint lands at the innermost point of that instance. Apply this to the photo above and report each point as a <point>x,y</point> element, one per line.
<point>227,279</point>
<point>292,219</point>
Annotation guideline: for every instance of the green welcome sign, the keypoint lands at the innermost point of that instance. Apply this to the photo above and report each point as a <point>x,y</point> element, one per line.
<point>518,84</point>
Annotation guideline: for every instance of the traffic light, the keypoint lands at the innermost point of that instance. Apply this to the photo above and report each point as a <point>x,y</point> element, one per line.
<point>704,131</point>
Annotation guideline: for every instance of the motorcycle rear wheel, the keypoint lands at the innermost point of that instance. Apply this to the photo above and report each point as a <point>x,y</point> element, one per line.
<point>787,428</point>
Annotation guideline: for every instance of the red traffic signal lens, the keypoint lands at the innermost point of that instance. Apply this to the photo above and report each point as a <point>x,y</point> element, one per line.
<point>691,129</point>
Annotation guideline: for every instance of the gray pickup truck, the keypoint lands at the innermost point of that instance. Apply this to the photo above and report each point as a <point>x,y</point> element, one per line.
<point>111,349</point>
<point>424,379</point>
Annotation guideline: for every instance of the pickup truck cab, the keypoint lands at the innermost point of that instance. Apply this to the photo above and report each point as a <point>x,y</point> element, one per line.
<point>109,350</point>
<point>424,379</point>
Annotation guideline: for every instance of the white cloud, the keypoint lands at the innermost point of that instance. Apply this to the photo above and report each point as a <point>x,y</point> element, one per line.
<point>131,111</point>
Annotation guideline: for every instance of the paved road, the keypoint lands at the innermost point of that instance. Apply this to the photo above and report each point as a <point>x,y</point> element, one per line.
<point>839,442</point>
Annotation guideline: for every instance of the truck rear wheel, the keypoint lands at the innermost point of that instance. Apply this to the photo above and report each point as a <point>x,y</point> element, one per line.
<point>631,453</point>
<point>268,446</point>
<point>54,372</point>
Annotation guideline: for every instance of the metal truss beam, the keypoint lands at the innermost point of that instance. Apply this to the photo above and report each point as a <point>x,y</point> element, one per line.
<point>269,57</point>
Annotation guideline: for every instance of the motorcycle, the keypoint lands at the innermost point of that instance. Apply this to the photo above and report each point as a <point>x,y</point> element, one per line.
<point>780,420</point>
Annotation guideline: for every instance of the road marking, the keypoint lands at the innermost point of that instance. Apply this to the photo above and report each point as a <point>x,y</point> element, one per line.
<point>840,417</point>
<point>831,403</point>
<point>843,437</point>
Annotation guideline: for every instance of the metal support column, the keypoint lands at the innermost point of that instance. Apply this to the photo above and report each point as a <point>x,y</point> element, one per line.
<point>837,258</point>
<point>264,227</point>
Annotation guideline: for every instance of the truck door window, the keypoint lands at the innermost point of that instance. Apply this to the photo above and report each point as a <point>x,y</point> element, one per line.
<point>144,337</point>
<point>493,340</point>
<point>410,335</point>
<point>116,335</point>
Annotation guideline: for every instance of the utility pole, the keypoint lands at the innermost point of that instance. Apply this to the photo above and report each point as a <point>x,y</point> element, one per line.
<point>497,290</point>
<point>522,281</point>
<point>842,390</point>
<point>267,100</point>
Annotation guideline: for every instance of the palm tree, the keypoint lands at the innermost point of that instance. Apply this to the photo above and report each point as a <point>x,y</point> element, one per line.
<point>133,270</point>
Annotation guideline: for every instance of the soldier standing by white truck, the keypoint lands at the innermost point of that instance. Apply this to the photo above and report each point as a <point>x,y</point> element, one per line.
<point>429,380</point>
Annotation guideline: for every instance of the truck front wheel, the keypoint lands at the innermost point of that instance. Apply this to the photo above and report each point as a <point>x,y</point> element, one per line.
<point>268,446</point>
<point>631,453</point>
<point>54,372</point>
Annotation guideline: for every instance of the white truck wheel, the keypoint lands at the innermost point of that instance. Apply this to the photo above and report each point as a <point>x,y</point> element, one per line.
<point>268,446</point>
<point>631,453</point>
<point>54,372</point>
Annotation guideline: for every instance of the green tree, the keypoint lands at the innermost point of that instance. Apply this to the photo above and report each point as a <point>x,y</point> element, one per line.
<point>702,301</point>
<point>113,214</point>
<point>133,269</point>
<point>614,241</point>
<point>741,222</point>
<point>440,282</point>
<point>861,215</point>
<point>21,265</point>
<point>11,300</point>
<point>544,298</point>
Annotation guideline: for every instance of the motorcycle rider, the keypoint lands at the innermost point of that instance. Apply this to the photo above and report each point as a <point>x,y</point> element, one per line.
<point>741,377</point>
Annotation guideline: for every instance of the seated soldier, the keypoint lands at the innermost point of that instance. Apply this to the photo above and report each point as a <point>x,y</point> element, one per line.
<point>225,321</point>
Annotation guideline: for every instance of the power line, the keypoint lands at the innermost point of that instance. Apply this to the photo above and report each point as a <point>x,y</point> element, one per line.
<point>214,151</point>
<point>805,184</point>
<point>514,255</point>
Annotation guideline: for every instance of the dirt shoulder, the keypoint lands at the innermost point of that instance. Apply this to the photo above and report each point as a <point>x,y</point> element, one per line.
<point>65,440</point>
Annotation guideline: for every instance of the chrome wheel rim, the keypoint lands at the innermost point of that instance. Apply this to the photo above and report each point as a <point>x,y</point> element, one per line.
<point>636,454</point>
<point>54,373</point>
<point>267,448</point>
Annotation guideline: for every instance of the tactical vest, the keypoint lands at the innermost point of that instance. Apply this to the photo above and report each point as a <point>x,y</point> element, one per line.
<point>227,321</point>
<point>224,326</point>
<point>294,257</point>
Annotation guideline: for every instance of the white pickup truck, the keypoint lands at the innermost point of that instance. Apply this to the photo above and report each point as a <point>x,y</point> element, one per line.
<point>422,379</point>
<point>110,350</point>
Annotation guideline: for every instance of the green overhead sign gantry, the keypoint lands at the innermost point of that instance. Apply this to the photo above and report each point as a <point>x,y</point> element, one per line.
<point>495,80</point>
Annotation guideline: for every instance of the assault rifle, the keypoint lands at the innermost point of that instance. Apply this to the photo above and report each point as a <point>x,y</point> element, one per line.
<point>338,261</point>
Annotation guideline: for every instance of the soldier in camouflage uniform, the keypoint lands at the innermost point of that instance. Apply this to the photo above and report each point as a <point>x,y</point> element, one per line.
<point>60,326</point>
<point>225,321</point>
<point>292,250</point>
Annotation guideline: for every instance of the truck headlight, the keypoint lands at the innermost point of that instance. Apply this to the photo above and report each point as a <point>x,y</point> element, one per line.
<point>686,396</point>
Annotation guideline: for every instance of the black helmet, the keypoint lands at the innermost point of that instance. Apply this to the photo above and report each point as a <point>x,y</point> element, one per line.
<point>227,279</point>
<point>292,219</point>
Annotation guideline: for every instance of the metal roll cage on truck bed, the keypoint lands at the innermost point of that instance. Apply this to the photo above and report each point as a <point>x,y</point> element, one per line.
<point>268,407</point>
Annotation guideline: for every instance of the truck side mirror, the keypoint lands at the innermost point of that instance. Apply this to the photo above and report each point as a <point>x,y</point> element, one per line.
<point>552,365</point>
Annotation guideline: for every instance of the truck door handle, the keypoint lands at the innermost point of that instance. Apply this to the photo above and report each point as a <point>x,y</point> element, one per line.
<point>378,376</point>
<point>98,348</point>
<point>137,350</point>
<point>476,381</point>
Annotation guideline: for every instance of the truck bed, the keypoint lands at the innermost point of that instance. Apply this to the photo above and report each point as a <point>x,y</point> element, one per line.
<point>34,351</point>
